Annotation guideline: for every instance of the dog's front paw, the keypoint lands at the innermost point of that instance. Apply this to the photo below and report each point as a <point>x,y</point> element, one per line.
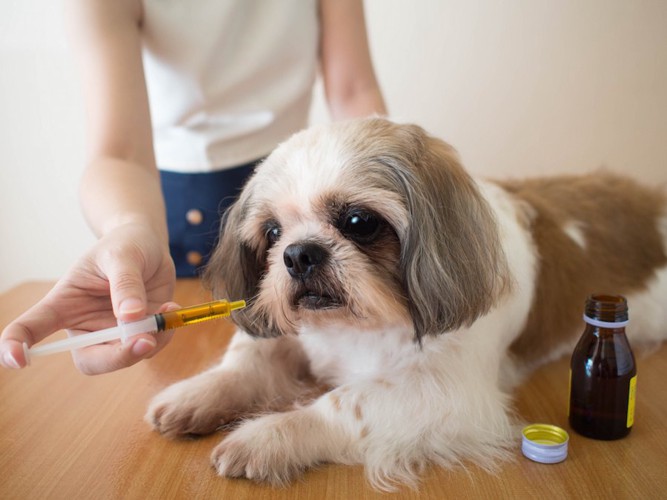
<point>196,406</point>
<point>269,449</point>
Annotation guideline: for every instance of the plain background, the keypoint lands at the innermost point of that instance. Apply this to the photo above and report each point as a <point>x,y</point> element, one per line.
<point>519,87</point>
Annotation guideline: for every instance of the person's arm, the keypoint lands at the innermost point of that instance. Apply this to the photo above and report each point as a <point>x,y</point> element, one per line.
<point>121,183</point>
<point>350,84</point>
<point>128,272</point>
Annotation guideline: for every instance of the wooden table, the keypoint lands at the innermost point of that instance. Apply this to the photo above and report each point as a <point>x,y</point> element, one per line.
<point>67,435</point>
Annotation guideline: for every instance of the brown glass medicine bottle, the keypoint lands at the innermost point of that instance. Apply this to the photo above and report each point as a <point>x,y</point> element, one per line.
<point>603,375</point>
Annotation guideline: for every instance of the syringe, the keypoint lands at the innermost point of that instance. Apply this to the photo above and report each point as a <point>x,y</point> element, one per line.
<point>151,324</point>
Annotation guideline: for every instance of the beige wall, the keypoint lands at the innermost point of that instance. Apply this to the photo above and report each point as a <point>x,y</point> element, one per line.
<point>519,87</point>
<point>530,86</point>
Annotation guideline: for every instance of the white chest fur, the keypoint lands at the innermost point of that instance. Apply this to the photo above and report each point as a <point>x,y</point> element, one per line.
<point>339,355</point>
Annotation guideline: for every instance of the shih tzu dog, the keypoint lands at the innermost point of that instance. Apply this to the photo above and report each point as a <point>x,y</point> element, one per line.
<point>412,295</point>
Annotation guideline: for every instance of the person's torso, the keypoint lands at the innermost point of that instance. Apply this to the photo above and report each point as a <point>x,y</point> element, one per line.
<point>227,79</point>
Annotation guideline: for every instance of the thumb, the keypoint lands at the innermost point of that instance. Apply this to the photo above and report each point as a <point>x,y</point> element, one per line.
<point>127,290</point>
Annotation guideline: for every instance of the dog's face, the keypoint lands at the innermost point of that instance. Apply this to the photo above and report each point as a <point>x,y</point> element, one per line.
<point>365,223</point>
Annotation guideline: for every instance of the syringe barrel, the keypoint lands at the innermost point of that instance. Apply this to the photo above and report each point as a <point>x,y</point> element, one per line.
<point>145,325</point>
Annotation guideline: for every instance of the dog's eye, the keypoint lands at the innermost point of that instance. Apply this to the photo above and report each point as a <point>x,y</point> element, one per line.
<point>360,226</point>
<point>272,234</point>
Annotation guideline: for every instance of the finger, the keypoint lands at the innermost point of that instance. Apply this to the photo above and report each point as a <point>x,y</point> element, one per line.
<point>164,337</point>
<point>11,354</point>
<point>168,306</point>
<point>105,358</point>
<point>127,289</point>
<point>31,327</point>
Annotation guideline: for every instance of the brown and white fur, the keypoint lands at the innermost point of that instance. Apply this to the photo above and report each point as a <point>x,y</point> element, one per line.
<point>376,266</point>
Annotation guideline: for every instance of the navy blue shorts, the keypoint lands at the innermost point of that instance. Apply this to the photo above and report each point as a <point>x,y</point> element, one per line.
<point>195,204</point>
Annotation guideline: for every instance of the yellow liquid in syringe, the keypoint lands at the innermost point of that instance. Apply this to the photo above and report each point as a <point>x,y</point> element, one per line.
<point>197,314</point>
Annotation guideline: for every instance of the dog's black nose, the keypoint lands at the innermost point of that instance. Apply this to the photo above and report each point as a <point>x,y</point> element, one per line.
<point>302,258</point>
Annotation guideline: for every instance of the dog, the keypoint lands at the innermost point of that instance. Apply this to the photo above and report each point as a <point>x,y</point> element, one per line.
<point>413,296</point>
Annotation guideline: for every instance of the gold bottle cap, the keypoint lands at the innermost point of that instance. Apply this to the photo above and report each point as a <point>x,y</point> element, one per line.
<point>545,443</point>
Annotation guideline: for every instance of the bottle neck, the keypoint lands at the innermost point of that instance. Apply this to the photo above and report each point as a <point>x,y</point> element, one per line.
<point>605,324</point>
<point>606,311</point>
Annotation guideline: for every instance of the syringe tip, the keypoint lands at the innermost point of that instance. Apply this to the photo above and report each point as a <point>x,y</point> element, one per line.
<point>239,304</point>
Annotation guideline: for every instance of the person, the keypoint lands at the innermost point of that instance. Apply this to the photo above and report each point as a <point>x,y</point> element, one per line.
<point>203,91</point>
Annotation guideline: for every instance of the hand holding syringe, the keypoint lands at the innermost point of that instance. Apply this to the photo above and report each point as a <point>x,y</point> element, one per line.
<point>156,323</point>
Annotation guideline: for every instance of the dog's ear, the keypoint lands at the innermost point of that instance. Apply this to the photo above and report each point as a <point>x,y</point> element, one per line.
<point>235,270</point>
<point>452,263</point>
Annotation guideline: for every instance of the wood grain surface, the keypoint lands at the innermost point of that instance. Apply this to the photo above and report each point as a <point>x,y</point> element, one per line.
<point>67,435</point>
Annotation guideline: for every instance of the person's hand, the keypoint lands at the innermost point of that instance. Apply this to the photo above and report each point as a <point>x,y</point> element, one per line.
<point>125,276</point>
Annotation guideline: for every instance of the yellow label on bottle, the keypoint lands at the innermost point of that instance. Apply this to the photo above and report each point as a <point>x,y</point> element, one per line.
<point>632,394</point>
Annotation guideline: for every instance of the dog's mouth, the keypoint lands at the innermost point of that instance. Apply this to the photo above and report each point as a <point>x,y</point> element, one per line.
<point>315,300</point>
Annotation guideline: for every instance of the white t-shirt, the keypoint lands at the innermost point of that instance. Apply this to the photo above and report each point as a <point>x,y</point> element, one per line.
<point>227,79</point>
